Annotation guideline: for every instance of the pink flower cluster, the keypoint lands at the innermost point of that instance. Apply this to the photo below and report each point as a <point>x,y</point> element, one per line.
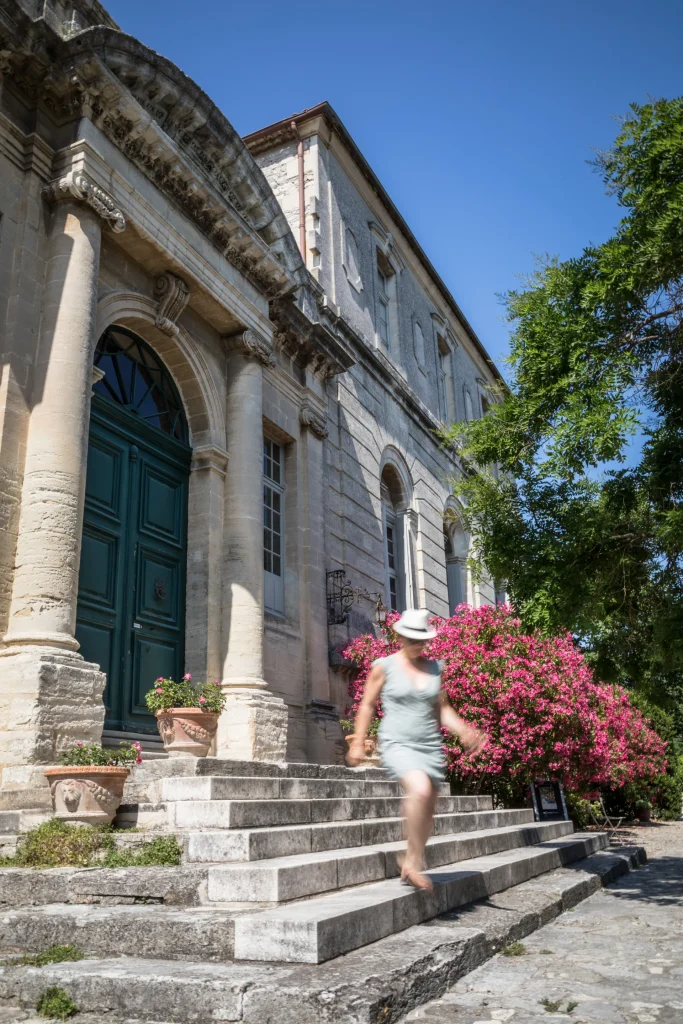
<point>536,699</point>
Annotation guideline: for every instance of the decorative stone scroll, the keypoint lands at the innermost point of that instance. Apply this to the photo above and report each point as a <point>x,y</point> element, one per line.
<point>173,296</point>
<point>78,185</point>
<point>251,345</point>
<point>311,419</point>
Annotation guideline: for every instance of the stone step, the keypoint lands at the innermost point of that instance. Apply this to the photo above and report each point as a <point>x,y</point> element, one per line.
<point>16,822</point>
<point>285,840</point>
<point>308,874</point>
<point>389,978</point>
<point>207,933</point>
<point>320,929</point>
<point>218,787</point>
<point>166,886</point>
<point>169,933</point>
<point>216,813</point>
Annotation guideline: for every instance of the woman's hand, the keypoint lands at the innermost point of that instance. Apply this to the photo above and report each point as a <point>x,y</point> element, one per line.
<point>473,740</point>
<point>356,751</point>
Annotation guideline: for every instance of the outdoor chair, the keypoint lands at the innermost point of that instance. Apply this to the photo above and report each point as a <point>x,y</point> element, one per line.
<point>609,823</point>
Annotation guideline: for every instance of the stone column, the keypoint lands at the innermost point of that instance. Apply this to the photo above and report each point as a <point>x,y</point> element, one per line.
<point>324,739</point>
<point>50,696</point>
<point>253,726</point>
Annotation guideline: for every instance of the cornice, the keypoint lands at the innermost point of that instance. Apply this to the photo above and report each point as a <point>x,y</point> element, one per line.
<point>167,127</point>
<point>323,120</point>
<point>309,338</point>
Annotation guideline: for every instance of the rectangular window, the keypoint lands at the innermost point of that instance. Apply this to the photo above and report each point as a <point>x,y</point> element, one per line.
<point>446,380</point>
<point>273,529</point>
<point>383,306</point>
<point>392,568</point>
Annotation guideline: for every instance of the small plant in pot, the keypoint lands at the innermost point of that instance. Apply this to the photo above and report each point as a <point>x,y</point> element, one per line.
<point>644,810</point>
<point>187,714</point>
<point>87,787</point>
<point>348,725</point>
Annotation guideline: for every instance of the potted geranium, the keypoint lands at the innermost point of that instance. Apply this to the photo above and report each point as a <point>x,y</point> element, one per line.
<point>186,714</point>
<point>88,785</point>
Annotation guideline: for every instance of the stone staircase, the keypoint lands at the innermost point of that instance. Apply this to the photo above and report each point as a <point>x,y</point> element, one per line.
<point>285,868</point>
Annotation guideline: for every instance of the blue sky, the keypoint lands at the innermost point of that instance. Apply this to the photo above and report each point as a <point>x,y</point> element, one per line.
<point>477,117</point>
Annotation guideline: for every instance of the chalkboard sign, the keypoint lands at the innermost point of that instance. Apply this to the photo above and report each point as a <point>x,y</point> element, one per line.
<point>548,800</point>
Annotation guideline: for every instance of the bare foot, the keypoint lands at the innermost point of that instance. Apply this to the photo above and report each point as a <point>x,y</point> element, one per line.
<point>409,876</point>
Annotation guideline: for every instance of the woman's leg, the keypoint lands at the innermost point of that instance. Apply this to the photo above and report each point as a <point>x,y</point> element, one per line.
<point>418,807</point>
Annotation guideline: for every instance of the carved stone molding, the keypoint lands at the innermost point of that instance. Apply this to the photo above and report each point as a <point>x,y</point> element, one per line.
<point>78,185</point>
<point>312,420</point>
<point>210,456</point>
<point>97,375</point>
<point>173,296</point>
<point>252,346</point>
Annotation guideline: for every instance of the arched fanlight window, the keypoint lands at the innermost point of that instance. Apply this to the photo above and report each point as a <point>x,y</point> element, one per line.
<point>135,378</point>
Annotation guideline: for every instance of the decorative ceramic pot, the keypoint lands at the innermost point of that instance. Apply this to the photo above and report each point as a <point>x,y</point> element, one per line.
<point>86,794</point>
<point>644,814</point>
<point>187,732</point>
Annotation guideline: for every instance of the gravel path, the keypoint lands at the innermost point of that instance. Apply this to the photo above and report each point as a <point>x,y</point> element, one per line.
<point>617,958</point>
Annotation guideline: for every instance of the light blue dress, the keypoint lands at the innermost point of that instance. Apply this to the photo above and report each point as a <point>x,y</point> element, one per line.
<point>409,733</point>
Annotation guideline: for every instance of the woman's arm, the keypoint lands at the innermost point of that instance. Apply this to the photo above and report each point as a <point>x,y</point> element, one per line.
<point>471,738</point>
<point>366,712</point>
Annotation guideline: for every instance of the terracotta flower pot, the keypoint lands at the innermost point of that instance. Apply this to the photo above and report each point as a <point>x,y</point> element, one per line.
<point>371,759</point>
<point>86,794</point>
<point>187,732</point>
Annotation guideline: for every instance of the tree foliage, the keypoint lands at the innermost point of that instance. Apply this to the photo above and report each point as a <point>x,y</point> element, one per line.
<point>586,539</point>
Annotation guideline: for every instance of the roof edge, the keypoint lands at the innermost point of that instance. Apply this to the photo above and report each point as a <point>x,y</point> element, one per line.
<point>258,140</point>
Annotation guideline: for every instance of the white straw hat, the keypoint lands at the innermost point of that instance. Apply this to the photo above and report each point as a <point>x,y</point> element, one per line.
<point>414,624</point>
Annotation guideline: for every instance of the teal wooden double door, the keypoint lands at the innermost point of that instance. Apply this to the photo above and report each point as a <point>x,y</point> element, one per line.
<point>131,600</point>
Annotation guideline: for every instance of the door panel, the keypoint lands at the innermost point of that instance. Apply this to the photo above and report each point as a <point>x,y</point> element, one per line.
<point>131,602</point>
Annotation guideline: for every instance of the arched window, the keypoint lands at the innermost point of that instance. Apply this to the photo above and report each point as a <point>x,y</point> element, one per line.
<point>399,523</point>
<point>135,378</point>
<point>456,546</point>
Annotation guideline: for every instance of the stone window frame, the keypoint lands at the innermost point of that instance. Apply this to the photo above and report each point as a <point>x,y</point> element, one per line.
<point>419,346</point>
<point>388,262</point>
<point>349,258</point>
<point>445,346</point>
<point>468,403</point>
<point>398,515</point>
<point>274,588</point>
<point>457,545</point>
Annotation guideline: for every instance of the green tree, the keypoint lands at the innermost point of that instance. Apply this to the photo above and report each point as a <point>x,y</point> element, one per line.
<point>585,541</point>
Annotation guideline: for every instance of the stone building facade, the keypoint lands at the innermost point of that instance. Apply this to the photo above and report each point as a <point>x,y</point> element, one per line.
<point>223,362</point>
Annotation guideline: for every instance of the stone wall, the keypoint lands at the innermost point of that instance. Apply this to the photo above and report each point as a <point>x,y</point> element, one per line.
<point>387,406</point>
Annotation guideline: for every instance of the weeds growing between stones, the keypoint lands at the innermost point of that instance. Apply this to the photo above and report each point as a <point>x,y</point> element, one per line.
<point>58,844</point>
<point>514,949</point>
<point>55,1003</point>
<point>53,955</point>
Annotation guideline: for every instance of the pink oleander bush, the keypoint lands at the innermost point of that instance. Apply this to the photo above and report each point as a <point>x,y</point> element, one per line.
<point>536,699</point>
